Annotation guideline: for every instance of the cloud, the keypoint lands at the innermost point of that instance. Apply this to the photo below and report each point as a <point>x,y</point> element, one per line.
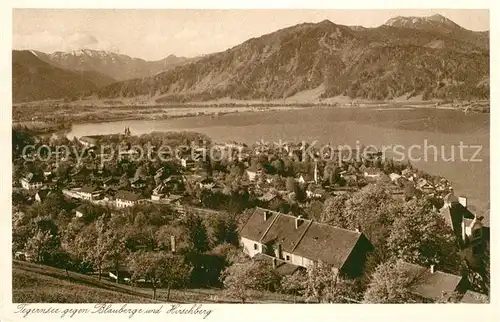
<point>49,42</point>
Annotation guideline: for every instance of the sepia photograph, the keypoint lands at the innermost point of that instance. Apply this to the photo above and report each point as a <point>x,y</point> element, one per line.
<point>271,156</point>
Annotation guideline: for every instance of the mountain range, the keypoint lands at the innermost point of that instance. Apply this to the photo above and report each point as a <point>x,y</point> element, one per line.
<point>405,57</point>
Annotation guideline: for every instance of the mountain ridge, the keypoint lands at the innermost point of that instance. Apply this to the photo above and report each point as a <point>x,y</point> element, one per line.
<point>406,56</point>
<point>117,66</point>
<point>374,63</point>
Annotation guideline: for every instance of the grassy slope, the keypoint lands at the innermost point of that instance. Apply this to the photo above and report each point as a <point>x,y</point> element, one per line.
<point>33,283</point>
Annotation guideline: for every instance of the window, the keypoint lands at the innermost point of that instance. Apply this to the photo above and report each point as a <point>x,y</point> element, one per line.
<point>287,257</point>
<point>255,247</point>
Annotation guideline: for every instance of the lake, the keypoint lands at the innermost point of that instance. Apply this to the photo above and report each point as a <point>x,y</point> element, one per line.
<point>412,130</point>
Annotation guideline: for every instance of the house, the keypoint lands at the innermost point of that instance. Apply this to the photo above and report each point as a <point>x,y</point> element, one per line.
<point>174,199</point>
<point>88,141</point>
<point>31,182</point>
<point>128,154</point>
<point>268,197</point>
<point>303,242</point>
<point>467,227</point>
<point>472,297</point>
<point>431,285</point>
<point>124,198</point>
<point>280,266</point>
<point>120,275</point>
<point>110,182</point>
<point>424,185</point>
<point>251,174</point>
<point>90,192</point>
<point>47,173</point>
<point>206,183</point>
<point>138,183</point>
<point>42,194</point>
<point>80,211</point>
<point>350,178</point>
<point>158,192</point>
<point>80,175</point>
<point>315,192</point>
<point>397,179</point>
<point>187,163</point>
<point>394,177</point>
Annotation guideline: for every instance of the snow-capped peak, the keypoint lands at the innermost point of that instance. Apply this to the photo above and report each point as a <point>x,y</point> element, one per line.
<point>415,22</point>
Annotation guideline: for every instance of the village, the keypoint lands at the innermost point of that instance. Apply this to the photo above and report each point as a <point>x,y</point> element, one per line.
<point>295,214</point>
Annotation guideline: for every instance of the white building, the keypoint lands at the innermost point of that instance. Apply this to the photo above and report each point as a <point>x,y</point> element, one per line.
<point>30,182</point>
<point>125,199</point>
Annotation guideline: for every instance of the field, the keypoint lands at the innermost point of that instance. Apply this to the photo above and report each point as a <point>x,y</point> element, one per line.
<point>33,283</point>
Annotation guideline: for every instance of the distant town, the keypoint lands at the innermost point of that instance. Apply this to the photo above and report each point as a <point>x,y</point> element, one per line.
<point>255,224</point>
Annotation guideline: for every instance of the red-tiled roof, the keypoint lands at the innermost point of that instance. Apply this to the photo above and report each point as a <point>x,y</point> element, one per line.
<point>90,189</point>
<point>283,232</point>
<point>474,297</point>
<point>127,195</point>
<point>433,286</point>
<point>330,244</point>
<point>282,267</point>
<point>256,226</point>
<point>311,240</point>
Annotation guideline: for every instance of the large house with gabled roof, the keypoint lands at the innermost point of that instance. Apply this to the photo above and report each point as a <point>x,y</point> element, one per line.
<point>304,242</point>
<point>126,198</point>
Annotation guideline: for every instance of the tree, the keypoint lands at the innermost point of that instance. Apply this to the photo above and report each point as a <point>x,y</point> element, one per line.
<point>300,193</point>
<point>224,230</point>
<point>62,259</point>
<point>164,237</point>
<point>158,269</point>
<point>45,240</point>
<point>140,172</point>
<point>290,184</point>
<point>333,211</point>
<point>371,210</point>
<point>324,285</point>
<point>409,191</point>
<point>241,278</point>
<point>115,250</point>
<point>279,166</point>
<point>420,236</point>
<point>124,182</point>
<point>390,284</point>
<point>315,210</point>
<point>91,245</point>
<point>295,283</point>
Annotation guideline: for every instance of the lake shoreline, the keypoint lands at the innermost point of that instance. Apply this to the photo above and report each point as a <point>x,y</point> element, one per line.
<point>65,115</point>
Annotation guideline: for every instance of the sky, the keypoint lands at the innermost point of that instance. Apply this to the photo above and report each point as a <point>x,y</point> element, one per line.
<point>155,34</point>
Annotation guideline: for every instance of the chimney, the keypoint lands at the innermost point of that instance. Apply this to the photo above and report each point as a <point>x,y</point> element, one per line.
<point>298,222</point>
<point>172,243</point>
<point>267,214</point>
<point>275,262</point>
<point>432,269</point>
